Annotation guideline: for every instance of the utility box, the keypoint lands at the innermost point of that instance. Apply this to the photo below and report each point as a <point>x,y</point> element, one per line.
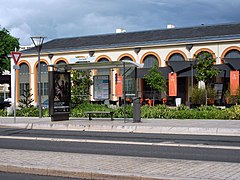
<point>136,109</point>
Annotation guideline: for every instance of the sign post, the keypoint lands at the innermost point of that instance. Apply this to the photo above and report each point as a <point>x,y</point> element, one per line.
<point>16,56</point>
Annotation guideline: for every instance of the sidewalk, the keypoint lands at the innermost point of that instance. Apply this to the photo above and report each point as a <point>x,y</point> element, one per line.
<point>91,166</point>
<point>171,126</point>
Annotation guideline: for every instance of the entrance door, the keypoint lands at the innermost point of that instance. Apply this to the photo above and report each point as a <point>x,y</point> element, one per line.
<point>182,89</point>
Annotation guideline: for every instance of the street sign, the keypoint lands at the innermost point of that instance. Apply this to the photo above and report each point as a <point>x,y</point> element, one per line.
<point>16,56</point>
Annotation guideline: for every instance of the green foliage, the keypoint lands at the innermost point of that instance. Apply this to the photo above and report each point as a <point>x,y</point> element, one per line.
<point>26,101</point>
<point>27,112</point>
<point>8,44</point>
<point>119,112</point>
<point>79,110</point>
<point>234,112</point>
<point>155,79</point>
<point>232,99</point>
<point>81,83</point>
<point>199,95</point>
<point>3,112</point>
<point>205,67</point>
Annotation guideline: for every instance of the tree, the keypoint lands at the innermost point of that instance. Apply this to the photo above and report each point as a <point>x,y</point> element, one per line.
<point>26,101</point>
<point>155,79</point>
<point>205,69</point>
<point>81,83</point>
<point>8,44</point>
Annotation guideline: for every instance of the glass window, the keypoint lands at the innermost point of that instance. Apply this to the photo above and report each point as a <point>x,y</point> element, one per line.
<point>176,57</point>
<point>103,71</point>
<point>149,61</point>
<point>202,54</point>
<point>23,78</point>
<point>23,86</point>
<point>233,54</point>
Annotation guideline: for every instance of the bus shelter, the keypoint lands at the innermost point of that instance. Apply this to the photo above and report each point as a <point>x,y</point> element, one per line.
<point>59,88</point>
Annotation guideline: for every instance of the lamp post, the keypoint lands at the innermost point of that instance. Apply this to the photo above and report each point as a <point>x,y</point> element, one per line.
<point>38,41</point>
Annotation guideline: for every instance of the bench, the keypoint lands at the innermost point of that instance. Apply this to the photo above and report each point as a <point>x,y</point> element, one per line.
<point>99,112</point>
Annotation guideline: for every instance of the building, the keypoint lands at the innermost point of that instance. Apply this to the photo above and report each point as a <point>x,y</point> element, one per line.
<point>164,46</point>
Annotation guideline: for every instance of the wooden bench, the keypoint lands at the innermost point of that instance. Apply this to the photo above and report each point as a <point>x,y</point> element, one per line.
<point>99,112</point>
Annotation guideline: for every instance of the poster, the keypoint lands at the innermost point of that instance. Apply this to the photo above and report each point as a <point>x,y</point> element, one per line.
<point>234,82</point>
<point>101,87</point>
<point>119,86</point>
<point>172,84</point>
<point>62,92</point>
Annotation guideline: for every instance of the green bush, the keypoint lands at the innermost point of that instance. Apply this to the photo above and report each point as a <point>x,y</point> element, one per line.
<point>27,112</point>
<point>151,112</point>
<point>3,112</point>
<point>79,110</point>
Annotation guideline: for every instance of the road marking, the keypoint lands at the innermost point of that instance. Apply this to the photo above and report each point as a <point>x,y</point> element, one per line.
<point>121,142</point>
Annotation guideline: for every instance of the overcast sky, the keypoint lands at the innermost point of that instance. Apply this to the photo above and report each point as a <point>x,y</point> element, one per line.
<point>70,18</point>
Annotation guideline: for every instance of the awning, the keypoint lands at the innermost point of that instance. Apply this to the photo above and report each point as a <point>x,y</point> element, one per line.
<point>178,66</point>
<point>141,72</point>
<point>234,63</point>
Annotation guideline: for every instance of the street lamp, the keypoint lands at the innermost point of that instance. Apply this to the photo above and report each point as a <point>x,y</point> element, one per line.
<point>38,41</point>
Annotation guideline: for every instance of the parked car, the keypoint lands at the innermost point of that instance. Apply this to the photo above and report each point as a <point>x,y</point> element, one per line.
<point>45,104</point>
<point>6,103</point>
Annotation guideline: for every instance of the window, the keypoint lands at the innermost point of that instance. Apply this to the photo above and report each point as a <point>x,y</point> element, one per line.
<point>44,80</point>
<point>23,78</point>
<point>176,57</point>
<point>23,86</point>
<point>44,88</point>
<point>103,71</point>
<point>233,54</point>
<point>149,61</point>
<point>129,82</point>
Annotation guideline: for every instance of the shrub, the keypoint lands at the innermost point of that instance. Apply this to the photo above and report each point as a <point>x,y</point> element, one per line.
<point>28,112</point>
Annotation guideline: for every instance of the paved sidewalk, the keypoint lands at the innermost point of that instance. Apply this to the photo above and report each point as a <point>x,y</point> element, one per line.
<point>172,126</point>
<point>112,167</point>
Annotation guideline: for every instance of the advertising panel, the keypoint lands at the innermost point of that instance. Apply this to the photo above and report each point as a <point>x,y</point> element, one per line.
<point>61,92</point>
<point>101,87</point>
<point>172,80</point>
<point>234,82</point>
<point>119,85</point>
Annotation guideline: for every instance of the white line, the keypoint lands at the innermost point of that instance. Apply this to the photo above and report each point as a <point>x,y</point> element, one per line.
<point>121,142</point>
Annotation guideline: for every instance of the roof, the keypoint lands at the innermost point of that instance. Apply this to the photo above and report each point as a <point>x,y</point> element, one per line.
<point>142,38</point>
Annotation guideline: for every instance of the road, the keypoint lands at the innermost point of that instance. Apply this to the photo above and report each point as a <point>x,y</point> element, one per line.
<point>190,147</point>
<point>19,176</point>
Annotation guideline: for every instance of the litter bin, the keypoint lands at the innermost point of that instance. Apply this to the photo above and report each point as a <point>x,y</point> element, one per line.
<point>136,109</point>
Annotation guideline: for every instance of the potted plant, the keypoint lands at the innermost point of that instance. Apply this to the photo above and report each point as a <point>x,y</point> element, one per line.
<point>211,94</point>
<point>197,97</point>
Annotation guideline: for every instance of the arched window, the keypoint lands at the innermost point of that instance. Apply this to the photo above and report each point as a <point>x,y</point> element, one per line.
<point>129,81</point>
<point>233,54</point>
<point>61,62</point>
<point>23,78</point>
<point>176,57</point>
<point>202,54</point>
<point>103,71</point>
<point>44,80</point>
<point>149,61</point>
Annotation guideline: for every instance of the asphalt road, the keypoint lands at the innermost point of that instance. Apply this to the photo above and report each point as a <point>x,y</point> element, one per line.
<point>20,176</point>
<point>209,148</point>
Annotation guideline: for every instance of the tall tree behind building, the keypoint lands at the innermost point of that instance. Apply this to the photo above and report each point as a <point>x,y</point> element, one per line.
<point>8,44</point>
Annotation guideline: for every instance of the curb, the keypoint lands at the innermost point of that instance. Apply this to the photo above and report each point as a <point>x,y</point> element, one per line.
<point>72,173</point>
<point>129,129</point>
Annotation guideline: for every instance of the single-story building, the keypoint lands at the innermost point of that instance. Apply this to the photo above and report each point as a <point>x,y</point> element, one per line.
<point>173,49</point>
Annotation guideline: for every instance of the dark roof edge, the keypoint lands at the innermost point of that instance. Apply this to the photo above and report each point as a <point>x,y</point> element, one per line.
<point>141,44</point>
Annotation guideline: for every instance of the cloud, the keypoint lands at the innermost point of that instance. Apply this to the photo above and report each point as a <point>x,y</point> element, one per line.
<point>64,18</point>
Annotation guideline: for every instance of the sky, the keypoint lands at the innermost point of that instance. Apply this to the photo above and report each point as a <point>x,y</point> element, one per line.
<point>72,18</point>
